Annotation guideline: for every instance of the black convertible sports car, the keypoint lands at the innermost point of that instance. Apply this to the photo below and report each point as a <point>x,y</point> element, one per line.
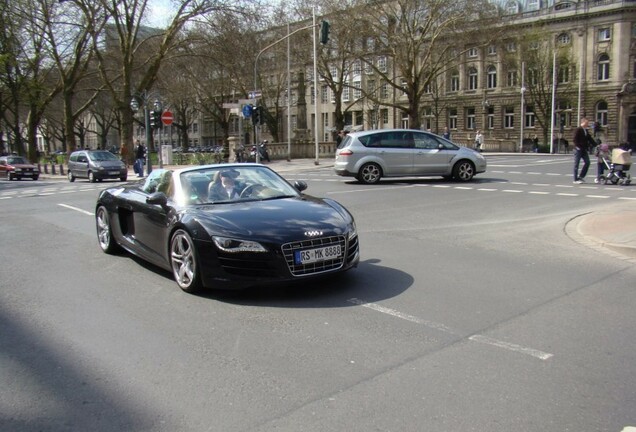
<point>227,226</point>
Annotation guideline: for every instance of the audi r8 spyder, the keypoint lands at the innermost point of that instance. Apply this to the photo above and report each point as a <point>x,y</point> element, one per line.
<point>227,226</point>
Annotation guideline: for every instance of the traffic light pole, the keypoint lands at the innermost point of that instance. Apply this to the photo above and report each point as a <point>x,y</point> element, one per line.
<point>148,136</point>
<point>256,76</point>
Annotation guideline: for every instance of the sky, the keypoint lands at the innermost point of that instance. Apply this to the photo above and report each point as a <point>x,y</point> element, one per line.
<point>161,12</point>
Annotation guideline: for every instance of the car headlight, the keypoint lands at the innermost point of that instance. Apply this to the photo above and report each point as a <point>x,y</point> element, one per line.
<point>231,245</point>
<point>354,231</point>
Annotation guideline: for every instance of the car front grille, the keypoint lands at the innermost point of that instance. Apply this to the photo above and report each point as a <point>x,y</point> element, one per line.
<point>317,267</point>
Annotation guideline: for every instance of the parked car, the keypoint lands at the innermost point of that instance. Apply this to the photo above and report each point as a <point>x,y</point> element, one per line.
<point>17,167</point>
<point>370,155</point>
<point>265,232</point>
<point>96,165</point>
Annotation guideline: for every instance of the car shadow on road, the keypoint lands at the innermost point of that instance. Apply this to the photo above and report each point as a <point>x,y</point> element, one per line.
<point>408,181</point>
<point>370,282</point>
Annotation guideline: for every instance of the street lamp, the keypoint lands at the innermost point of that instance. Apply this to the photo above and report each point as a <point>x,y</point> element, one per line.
<point>142,100</point>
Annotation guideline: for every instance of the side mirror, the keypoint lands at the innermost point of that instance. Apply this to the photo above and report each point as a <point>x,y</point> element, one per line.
<point>157,198</point>
<point>300,185</point>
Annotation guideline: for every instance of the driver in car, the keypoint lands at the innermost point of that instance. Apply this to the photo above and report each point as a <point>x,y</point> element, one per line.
<point>225,187</point>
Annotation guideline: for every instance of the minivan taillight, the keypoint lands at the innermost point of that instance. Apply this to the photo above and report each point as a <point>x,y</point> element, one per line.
<point>346,152</point>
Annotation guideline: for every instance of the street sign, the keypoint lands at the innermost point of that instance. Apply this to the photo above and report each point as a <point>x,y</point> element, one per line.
<point>167,118</point>
<point>247,111</point>
<point>254,94</point>
<point>247,101</point>
<point>231,105</point>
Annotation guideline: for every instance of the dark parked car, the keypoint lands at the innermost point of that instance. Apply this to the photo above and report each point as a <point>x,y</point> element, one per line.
<point>17,167</point>
<point>227,226</point>
<point>96,165</point>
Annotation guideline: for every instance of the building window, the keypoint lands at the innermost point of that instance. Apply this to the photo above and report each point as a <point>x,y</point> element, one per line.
<point>403,85</point>
<point>511,78</point>
<point>368,69</point>
<point>382,64</point>
<point>454,81</point>
<point>601,113</point>
<point>357,89</point>
<point>324,94</point>
<point>563,75</point>
<point>346,91</point>
<point>511,46</point>
<point>427,118</point>
<point>603,67</point>
<point>357,67</point>
<point>472,53</point>
<point>512,7</point>
<point>490,119</point>
<point>385,116</point>
<point>564,109</point>
<point>564,39</point>
<point>604,34</point>
<point>470,118</point>
<point>530,117</point>
<point>312,91</point>
<point>452,118</point>
<point>472,79</point>
<point>509,117</point>
<point>492,77</point>
<point>533,77</point>
<point>384,91</point>
<point>533,5</point>
<point>492,49</point>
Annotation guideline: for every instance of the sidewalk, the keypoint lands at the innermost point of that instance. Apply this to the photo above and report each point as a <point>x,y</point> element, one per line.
<point>614,228</point>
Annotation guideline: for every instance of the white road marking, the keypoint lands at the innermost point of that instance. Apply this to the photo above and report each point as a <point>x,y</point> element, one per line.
<point>76,209</point>
<point>441,327</point>
<point>538,193</point>
<point>568,194</point>
<point>510,346</point>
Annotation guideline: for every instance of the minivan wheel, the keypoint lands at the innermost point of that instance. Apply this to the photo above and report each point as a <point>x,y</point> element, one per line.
<point>463,171</point>
<point>91,177</point>
<point>370,173</point>
<point>71,177</point>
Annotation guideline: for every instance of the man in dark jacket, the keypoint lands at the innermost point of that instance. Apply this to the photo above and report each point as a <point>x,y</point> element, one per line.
<point>583,142</point>
<point>140,155</point>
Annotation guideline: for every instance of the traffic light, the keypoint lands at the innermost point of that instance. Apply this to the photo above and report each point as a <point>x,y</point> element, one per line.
<point>155,119</point>
<point>151,119</point>
<point>324,32</point>
<point>257,113</point>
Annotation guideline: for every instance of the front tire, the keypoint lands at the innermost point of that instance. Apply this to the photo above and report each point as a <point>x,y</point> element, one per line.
<point>370,173</point>
<point>71,177</point>
<point>463,171</point>
<point>91,177</point>
<point>104,232</point>
<point>184,263</point>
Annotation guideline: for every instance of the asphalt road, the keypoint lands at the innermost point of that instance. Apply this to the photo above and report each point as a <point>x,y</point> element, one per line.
<point>474,308</point>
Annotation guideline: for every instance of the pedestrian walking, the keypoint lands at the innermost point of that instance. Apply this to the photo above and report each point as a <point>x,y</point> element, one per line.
<point>446,134</point>
<point>583,143</point>
<point>140,156</point>
<point>479,140</point>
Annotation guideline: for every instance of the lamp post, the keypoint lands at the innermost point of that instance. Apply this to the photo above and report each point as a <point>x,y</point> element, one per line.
<point>142,100</point>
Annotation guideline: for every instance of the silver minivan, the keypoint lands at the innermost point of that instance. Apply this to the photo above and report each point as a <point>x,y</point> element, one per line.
<point>96,165</point>
<point>370,155</point>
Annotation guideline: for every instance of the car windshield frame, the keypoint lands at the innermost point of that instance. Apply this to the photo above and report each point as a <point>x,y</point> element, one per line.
<point>102,156</point>
<point>17,160</point>
<point>195,186</point>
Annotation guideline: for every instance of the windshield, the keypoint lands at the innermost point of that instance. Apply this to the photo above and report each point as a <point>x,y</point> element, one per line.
<point>102,156</point>
<point>17,160</point>
<point>229,184</point>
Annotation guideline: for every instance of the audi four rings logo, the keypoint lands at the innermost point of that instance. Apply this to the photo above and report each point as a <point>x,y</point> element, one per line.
<point>313,233</point>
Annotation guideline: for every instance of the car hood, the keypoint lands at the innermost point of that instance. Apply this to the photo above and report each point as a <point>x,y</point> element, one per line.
<point>279,220</point>
<point>23,166</point>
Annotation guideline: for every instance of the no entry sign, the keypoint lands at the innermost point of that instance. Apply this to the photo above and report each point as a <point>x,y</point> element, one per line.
<point>167,118</point>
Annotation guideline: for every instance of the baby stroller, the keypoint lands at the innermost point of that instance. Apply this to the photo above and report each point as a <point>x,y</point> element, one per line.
<point>617,169</point>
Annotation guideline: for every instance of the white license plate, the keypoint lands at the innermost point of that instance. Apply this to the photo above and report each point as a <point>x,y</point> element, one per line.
<point>316,255</point>
<point>113,172</point>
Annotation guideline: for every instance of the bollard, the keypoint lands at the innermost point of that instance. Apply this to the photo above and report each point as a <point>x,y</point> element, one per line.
<point>53,169</point>
<point>46,168</point>
<point>61,169</point>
